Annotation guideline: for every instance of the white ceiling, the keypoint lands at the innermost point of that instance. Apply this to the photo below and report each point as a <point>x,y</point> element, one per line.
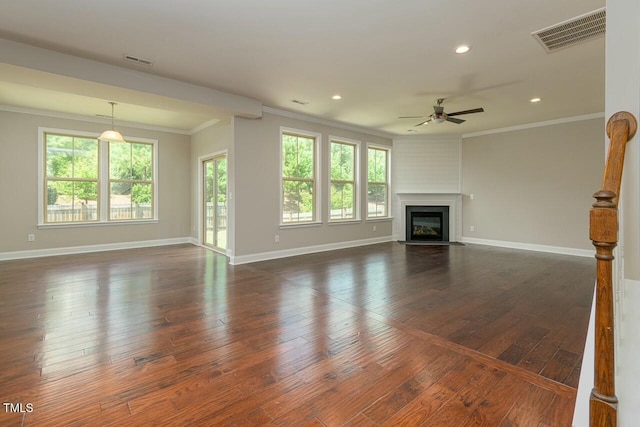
<point>386,58</point>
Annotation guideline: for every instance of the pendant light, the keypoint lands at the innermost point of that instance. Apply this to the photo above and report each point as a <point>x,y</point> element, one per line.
<point>111,135</point>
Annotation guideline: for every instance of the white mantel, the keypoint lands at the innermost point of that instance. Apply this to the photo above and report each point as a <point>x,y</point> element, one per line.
<point>453,200</point>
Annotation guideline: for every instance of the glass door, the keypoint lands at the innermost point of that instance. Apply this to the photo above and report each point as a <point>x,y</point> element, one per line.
<point>215,202</point>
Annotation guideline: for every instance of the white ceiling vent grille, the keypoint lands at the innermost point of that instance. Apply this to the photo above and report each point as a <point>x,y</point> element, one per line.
<point>137,60</point>
<point>573,31</point>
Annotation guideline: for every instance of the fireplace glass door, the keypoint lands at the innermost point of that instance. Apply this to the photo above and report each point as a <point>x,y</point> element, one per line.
<point>426,226</point>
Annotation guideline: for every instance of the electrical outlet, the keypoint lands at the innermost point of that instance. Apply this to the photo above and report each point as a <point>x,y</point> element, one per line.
<point>277,239</point>
<point>375,228</point>
<point>31,237</point>
<point>471,196</point>
<point>472,228</point>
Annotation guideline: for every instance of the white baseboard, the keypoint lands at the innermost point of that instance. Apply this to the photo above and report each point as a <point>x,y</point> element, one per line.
<point>38,253</point>
<point>264,256</point>
<point>531,247</point>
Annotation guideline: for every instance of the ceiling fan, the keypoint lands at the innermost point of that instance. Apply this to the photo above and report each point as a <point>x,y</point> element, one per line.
<point>439,116</point>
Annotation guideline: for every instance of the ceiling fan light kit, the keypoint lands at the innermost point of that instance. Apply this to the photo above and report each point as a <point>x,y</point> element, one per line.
<point>111,135</point>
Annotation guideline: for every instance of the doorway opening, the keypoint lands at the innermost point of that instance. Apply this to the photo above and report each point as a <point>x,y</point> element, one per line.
<point>214,206</point>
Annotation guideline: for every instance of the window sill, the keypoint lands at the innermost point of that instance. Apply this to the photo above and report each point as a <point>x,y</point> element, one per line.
<point>380,219</point>
<point>96,224</point>
<point>345,222</point>
<point>301,225</point>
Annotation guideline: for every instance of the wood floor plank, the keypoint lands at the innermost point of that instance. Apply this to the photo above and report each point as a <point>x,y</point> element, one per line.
<point>560,413</point>
<point>385,334</point>
<point>530,408</point>
<point>396,399</point>
<point>421,409</point>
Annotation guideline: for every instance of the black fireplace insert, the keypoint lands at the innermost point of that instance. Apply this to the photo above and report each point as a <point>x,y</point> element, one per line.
<point>427,224</point>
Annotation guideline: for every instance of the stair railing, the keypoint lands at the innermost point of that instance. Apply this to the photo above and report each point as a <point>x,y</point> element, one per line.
<point>603,231</point>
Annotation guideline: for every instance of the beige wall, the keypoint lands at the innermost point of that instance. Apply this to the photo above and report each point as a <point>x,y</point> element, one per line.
<point>18,188</point>
<point>530,186</point>
<point>212,140</point>
<point>257,188</point>
<point>533,186</point>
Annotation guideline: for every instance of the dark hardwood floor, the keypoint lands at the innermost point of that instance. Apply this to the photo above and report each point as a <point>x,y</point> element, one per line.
<point>386,334</point>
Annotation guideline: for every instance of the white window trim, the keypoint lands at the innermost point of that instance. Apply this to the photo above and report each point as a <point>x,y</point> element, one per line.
<point>389,213</point>
<point>318,181</point>
<point>356,180</point>
<point>103,181</point>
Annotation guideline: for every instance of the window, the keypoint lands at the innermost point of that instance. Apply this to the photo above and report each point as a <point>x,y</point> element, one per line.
<point>343,190</point>
<point>130,180</point>
<point>299,177</point>
<point>71,165</point>
<point>89,181</point>
<point>377,182</point>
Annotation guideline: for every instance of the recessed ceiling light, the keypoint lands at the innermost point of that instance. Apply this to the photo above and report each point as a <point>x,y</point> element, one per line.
<point>463,48</point>
<point>535,100</point>
<point>336,97</point>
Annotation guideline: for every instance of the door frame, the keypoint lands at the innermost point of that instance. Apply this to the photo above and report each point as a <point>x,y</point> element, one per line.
<point>200,213</point>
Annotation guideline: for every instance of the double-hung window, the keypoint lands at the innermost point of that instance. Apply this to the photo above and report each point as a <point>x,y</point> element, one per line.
<point>377,182</point>
<point>299,178</point>
<point>130,180</point>
<point>71,178</point>
<point>87,181</point>
<point>343,186</point>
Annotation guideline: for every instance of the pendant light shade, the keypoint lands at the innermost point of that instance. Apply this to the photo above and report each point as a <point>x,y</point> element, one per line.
<point>111,135</point>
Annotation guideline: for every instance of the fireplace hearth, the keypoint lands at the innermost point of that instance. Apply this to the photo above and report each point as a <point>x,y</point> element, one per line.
<point>427,224</point>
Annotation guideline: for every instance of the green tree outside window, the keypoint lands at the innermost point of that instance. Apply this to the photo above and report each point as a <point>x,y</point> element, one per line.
<point>298,178</point>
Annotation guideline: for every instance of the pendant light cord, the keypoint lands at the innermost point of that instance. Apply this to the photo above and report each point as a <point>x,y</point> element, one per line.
<point>112,111</point>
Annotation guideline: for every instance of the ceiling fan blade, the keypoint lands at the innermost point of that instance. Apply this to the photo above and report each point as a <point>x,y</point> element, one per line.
<point>438,109</point>
<point>423,123</point>
<point>456,121</point>
<point>404,117</point>
<point>459,113</point>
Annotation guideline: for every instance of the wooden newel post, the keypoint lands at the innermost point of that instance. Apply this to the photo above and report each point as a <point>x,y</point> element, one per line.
<point>604,234</point>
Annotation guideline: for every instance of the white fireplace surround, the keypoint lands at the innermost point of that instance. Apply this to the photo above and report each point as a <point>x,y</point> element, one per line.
<point>453,200</point>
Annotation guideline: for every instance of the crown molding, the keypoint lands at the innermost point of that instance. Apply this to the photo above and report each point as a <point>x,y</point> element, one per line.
<point>535,125</point>
<point>203,126</point>
<point>79,117</point>
<point>419,138</point>
<point>326,122</point>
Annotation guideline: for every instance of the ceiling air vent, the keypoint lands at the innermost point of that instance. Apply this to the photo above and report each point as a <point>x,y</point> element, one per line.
<point>137,60</point>
<point>573,31</point>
